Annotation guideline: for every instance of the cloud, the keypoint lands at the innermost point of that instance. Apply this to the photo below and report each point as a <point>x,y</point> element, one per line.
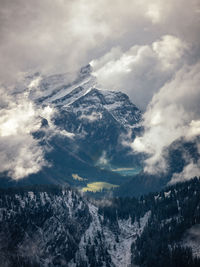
<point>190,171</point>
<point>173,113</point>
<point>20,156</point>
<point>60,36</point>
<point>169,50</point>
<point>154,12</point>
<point>141,70</point>
<point>94,116</point>
<point>103,160</point>
<point>45,36</point>
<point>20,153</point>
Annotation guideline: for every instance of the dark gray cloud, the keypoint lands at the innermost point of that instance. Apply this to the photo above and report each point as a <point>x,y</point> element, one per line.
<point>61,36</point>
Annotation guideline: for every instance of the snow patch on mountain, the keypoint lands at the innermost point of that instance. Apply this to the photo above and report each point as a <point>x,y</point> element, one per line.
<point>116,240</point>
<point>121,251</point>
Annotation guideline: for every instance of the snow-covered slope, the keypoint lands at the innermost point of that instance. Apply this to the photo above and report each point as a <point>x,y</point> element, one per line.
<point>54,88</point>
<point>97,101</point>
<point>55,226</point>
<point>83,96</point>
<point>115,239</point>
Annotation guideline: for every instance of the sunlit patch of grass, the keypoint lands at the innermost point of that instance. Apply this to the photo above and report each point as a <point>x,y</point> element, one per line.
<point>98,186</point>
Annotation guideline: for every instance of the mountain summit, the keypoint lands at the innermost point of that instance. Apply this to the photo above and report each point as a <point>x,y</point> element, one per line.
<point>86,133</point>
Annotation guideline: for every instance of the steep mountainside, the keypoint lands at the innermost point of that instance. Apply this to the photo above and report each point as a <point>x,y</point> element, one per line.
<point>84,138</point>
<point>55,226</point>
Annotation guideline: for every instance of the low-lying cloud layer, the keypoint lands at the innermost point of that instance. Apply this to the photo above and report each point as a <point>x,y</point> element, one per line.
<point>20,153</point>
<point>148,49</point>
<point>173,113</point>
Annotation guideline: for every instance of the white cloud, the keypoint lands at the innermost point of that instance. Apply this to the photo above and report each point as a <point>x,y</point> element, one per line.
<point>173,113</point>
<point>64,133</point>
<point>34,83</point>
<point>194,129</point>
<point>141,70</point>
<point>190,171</point>
<point>18,119</point>
<point>20,153</point>
<point>103,160</point>
<point>91,117</point>
<point>169,49</point>
<point>154,12</point>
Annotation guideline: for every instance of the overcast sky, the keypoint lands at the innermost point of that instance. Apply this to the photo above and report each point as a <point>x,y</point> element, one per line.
<point>149,49</point>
